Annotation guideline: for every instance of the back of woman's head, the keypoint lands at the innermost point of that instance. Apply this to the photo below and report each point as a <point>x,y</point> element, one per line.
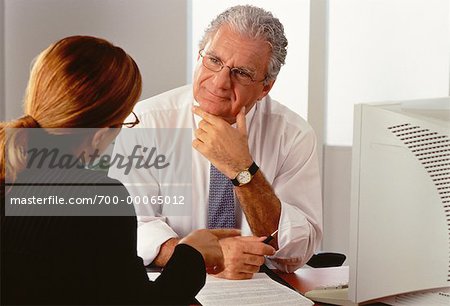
<point>77,82</point>
<point>82,81</point>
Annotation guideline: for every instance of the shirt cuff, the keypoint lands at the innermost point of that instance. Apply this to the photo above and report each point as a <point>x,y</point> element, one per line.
<point>150,236</point>
<point>297,240</point>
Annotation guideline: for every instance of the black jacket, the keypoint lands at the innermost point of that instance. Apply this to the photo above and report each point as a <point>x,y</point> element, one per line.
<point>83,260</point>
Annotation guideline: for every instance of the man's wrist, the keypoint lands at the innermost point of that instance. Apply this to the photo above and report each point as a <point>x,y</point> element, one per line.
<point>245,176</point>
<point>238,167</point>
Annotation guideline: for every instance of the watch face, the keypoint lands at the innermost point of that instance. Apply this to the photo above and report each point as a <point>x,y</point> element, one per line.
<point>244,177</point>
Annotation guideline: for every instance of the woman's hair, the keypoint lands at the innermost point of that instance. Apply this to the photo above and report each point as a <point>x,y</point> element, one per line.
<point>77,82</point>
<point>255,23</point>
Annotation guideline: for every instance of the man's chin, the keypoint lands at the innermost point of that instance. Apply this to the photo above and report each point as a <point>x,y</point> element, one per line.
<point>227,118</point>
<point>211,110</point>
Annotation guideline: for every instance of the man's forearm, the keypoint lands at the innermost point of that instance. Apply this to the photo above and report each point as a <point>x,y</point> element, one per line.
<point>260,205</point>
<point>165,252</point>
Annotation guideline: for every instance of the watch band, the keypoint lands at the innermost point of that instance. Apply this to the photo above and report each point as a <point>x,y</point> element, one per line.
<point>252,170</point>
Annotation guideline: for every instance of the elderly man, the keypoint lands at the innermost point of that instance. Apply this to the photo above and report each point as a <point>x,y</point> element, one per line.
<point>261,150</point>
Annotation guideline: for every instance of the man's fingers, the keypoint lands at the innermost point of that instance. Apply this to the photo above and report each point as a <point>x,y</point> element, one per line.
<point>241,124</point>
<point>201,135</point>
<point>252,238</point>
<point>254,260</point>
<point>259,248</point>
<point>250,269</point>
<point>250,245</point>
<point>225,232</point>
<point>204,125</point>
<point>205,115</point>
<point>234,275</point>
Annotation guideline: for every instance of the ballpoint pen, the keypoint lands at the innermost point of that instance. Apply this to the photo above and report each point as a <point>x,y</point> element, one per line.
<point>269,238</point>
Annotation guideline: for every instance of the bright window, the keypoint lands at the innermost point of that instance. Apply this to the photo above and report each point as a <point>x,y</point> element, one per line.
<point>383,50</point>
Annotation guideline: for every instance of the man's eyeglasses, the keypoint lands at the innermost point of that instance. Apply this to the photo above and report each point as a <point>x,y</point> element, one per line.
<point>240,75</point>
<point>133,123</point>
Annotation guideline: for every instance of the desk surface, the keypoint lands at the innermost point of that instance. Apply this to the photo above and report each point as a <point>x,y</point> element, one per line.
<point>306,279</point>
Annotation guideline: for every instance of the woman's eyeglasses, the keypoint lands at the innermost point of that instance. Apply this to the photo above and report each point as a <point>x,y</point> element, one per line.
<point>133,123</point>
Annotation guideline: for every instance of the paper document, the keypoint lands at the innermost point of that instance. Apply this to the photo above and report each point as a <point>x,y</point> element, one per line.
<point>260,290</point>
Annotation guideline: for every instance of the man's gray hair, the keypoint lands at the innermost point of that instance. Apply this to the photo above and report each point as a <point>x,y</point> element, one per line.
<point>255,23</point>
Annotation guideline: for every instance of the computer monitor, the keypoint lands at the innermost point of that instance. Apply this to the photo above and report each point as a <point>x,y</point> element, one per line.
<point>400,202</point>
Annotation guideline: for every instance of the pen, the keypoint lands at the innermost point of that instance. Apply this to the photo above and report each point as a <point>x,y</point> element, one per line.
<point>269,238</point>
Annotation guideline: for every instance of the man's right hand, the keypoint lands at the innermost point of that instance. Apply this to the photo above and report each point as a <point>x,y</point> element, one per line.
<point>243,256</point>
<point>207,243</point>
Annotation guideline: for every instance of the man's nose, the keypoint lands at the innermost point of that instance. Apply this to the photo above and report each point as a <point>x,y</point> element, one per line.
<point>222,79</point>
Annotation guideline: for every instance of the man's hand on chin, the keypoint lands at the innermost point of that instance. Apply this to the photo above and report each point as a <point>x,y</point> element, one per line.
<point>243,256</point>
<point>224,146</point>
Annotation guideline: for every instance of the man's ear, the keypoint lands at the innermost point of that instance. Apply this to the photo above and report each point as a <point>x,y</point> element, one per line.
<point>266,89</point>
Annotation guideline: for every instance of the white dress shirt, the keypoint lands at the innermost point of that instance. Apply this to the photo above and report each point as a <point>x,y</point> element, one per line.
<point>281,143</point>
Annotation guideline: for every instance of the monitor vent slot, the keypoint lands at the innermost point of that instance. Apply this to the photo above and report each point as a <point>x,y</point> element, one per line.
<point>433,151</point>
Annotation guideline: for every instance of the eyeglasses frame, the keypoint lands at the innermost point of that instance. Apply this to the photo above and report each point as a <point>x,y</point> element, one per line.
<point>202,53</point>
<point>131,124</point>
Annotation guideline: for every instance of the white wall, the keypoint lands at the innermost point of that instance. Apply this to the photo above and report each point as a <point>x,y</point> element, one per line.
<point>151,31</point>
<point>336,198</point>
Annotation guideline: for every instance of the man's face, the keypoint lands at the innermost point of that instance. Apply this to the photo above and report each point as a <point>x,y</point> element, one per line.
<point>219,94</point>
